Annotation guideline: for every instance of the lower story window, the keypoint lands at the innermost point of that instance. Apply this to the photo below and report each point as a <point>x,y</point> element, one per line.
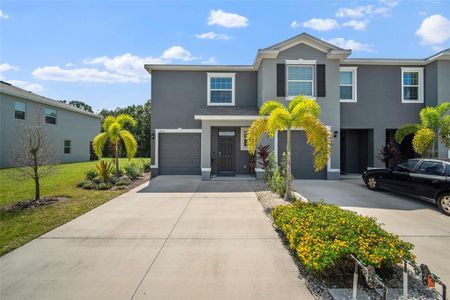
<point>67,146</point>
<point>244,138</point>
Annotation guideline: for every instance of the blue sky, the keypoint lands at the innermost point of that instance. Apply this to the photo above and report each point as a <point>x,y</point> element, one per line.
<point>94,51</point>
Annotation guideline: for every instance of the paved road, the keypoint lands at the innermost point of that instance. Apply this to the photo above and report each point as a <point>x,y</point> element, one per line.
<point>178,238</point>
<point>414,220</point>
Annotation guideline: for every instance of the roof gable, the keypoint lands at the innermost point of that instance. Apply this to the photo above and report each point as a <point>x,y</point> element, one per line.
<point>306,39</point>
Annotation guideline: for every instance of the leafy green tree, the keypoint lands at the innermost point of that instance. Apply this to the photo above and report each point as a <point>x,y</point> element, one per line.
<point>79,104</point>
<point>302,112</point>
<point>434,126</point>
<point>142,115</point>
<point>114,132</point>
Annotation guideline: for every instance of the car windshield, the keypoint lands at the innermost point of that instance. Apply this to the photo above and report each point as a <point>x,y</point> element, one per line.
<point>408,165</point>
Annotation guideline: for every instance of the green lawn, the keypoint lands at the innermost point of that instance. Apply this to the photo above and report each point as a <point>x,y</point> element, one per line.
<point>20,227</point>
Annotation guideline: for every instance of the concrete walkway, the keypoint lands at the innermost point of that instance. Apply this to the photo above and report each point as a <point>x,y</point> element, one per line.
<point>416,221</point>
<point>178,238</point>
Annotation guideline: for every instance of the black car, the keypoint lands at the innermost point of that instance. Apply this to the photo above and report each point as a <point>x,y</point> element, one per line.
<point>427,179</point>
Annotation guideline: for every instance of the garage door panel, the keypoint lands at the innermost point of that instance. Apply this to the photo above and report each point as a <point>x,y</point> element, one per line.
<point>301,156</point>
<point>179,154</point>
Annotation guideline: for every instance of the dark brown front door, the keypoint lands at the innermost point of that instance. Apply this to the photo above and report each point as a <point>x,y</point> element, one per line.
<point>225,164</point>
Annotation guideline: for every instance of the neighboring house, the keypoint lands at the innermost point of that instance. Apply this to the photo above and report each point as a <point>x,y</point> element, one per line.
<point>69,129</point>
<point>200,113</point>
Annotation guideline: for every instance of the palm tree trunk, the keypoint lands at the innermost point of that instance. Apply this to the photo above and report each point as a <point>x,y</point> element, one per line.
<point>117,159</point>
<point>288,195</point>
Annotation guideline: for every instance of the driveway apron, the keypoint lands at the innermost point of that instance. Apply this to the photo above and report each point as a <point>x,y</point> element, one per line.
<point>176,238</point>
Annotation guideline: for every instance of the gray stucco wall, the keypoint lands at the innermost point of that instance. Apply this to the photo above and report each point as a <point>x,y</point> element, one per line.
<point>431,84</point>
<point>178,95</point>
<point>379,105</point>
<point>443,94</point>
<point>80,129</point>
<point>330,104</point>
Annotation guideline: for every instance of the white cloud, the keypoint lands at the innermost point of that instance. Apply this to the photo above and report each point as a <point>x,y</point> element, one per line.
<point>225,19</point>
<point>355,24</point>
<point>434,30</point>
<point>7,67</point>
<point>81,75</point>
<point>125,68</point>
<point>213,36</point>
<point>389,3</point>
<point>177,52</point>
<point>295,24</point>
<point>33,87</point>
<point>210,61</point>
<point>69,64</point>
<point>350,44</point>
<point>321,24</point>
<point>126,64</point>
<point>3,15</point>
<point>363,11</point>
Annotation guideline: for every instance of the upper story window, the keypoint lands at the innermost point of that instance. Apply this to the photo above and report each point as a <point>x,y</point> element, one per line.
<point>412,85</point>
<point>300,81</point>
<point>50,116</point>
<point>221,89</point>
<point>19,110</point>
<point>347,84</point>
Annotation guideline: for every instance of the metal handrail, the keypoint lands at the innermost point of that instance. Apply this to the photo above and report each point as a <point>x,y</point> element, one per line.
<point>425,274</point>
<point>370,276</point>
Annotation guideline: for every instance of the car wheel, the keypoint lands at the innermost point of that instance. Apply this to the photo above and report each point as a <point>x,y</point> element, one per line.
<point>443,203</point>
<point>372,183</point>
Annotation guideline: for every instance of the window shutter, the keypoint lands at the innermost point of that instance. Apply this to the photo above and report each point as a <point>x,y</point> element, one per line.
<point>321,91</point>
<point>281,80</point>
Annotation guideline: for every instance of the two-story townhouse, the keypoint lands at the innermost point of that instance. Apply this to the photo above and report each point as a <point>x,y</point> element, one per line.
<point>200,113</point>
<point>68,128</point>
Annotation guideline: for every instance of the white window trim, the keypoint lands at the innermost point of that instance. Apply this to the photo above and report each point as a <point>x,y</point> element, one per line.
<point>56,115</point>
<point>25,110</point>
<point>243,147</point>
<point>158,131</point>
<point>421,88</point>
<point>313,96</point>
<point>70,147</point>
<point>233,88</point>
<point>300,62</point>
<point>354,84</point>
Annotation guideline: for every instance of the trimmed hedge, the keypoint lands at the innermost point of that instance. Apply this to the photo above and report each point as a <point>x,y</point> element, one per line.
<point>324,235</point>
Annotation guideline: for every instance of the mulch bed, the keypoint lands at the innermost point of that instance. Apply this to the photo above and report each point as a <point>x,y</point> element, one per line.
<point>343,275</point>
<point>35,203</point>
<point>140,180</point>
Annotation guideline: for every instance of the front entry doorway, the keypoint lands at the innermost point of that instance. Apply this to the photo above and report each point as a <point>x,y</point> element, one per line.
<point>226,153</point>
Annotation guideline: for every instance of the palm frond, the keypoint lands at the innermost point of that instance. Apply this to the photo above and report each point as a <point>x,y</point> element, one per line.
<point>254,133</point>
<point>444,132</point>
<point>269,106</point>
<point>430,117</point>
<point>404,131</point>
<point>305,105</point>
<point>114,131</point>
<point>319,137</point>
<point>99,142</point>
<point>279,119</point>
<point>443,108</point>
<point>107,122</point>
<point>130,143</point>
<point>123,119</point>
<point>297,99</point>
<point>423,139</point>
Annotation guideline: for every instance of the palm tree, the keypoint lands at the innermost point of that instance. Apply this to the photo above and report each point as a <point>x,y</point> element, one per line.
<point>302,112</point>
<point>114,131</point>
<point>434,125</point>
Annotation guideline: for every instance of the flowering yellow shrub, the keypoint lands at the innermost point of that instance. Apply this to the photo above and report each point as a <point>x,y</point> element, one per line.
<point>323,234</point>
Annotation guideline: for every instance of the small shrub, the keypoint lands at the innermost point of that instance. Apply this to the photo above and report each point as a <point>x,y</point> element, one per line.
<point>133,171</point>
<point>276,175</point>
<point>91,174</point>
<point>104,170</point>
<point>324,235</point>
<point>145,166</point>
<point>123,182</point>
<point>87,185</point>
<point>104,186</point>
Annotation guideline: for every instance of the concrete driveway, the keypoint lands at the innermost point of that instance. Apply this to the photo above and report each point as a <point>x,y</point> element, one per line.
<point>414,220</point>
<point>178,238</point>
